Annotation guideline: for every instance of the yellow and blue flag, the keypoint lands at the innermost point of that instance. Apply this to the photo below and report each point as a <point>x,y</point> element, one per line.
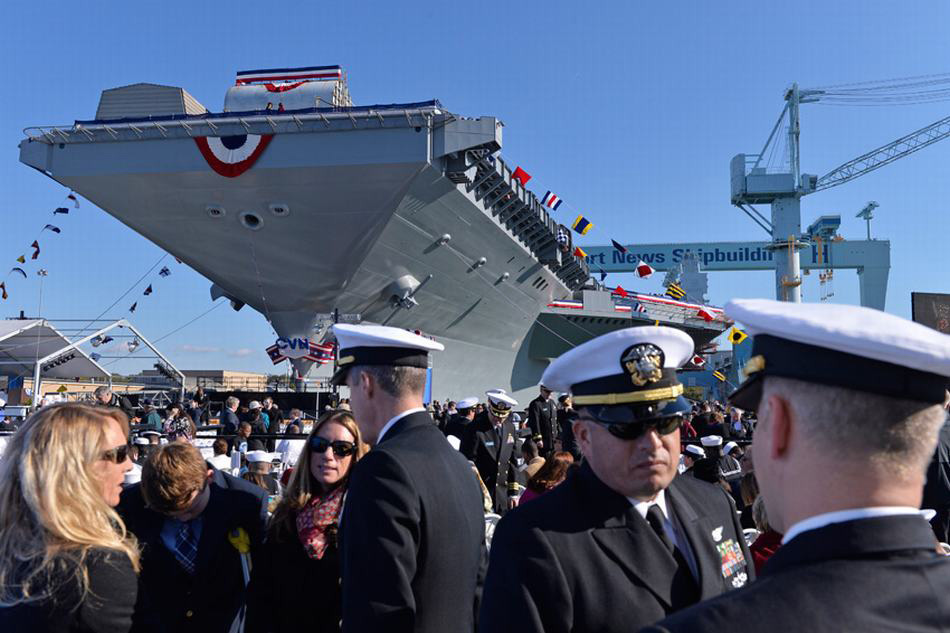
<point>582,225</point>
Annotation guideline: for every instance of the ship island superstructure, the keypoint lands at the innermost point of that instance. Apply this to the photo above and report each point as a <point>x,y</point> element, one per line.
<point>296,203</point>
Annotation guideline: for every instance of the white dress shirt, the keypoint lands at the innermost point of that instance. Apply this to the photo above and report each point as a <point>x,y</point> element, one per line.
<point>642,507</point>
<point>395,419</point>
<point>828,518</point>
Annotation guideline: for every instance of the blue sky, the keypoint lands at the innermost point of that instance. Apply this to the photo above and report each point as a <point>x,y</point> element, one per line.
<point>630,111</point>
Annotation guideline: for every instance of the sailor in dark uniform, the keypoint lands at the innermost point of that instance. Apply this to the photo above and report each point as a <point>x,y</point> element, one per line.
<point>459,421</point>
<point>623,541</point>
<point>489,443</point>
<point>691,454</point>
<point>542,420</point>
<point>850,402</point>
<point>412,527</point>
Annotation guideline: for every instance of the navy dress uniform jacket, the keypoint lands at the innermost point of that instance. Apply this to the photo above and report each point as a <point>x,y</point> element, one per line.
<point>876,575</point>
<point>412,535</point>
<point>580,558</point>
<point>169,599</point>
<point>542,420</point>
<point>493,453</point>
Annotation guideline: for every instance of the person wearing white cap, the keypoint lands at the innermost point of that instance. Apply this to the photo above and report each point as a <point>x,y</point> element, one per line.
<point>542,419</point>
<point>623,541</point>
<point>691,454</point>
<point>412,526</point>
<point>489,443</point>
<point>849,402</point>
<point>463,416</point>
<point>259,465</point>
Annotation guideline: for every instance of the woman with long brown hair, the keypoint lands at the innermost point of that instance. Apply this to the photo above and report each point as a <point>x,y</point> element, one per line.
<point>553,472</point>
<point>300,560</point>
<point>66,560</point>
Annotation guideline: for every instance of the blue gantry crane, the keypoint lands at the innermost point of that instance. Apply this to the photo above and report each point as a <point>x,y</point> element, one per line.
<point>753,181</point>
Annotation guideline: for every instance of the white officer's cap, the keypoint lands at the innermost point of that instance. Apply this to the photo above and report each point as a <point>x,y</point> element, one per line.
<point>466,403</point>
<point>711,440</point>
<point>695,451</point>
<point>380,345</point>
<point>843,346</point>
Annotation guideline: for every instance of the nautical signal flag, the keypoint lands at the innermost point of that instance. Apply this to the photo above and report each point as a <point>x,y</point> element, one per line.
<point>582,225</point>
<point>736,336</point>
<point>521,176</point>
<point>620,247</point>
<point>21,259</point>
<point>75,200</point>
<point>62,210</point>
<point>54,229</point>
<point>620,291</point>
<point>644,269</point>
<point>35,245</point>
<point>719,376</point>
<point>603,273</point>
<point>3,288</point>
<point>579,251</point>
<point>551,200</point>
<point>164,272</point>
<point>17,269</point>
<point>133,306</point>
<point>706,315</point>
<point>674,291</point>
<point>698,360</point>
<point>148,290</point>
<point>640,308</point>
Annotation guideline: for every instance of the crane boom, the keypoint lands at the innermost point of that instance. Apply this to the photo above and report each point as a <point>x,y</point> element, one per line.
<point>885,154</point>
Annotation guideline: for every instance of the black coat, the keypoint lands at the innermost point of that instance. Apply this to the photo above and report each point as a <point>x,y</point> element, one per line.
<point>542,420</point>
<point>565,420</point>
<point>169,598</point>
<point>107,607</point>
<point>291,592</point>
<point>581,558</point>
<point>229,421</point>
<point>456,426</point>
<point>495,457</point>
<point>876,575</point>
<point>412,535</point>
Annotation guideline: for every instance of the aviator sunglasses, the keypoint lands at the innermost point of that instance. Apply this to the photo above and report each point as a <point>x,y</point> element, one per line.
<point>633,430</point>
<point>116,455</point>
<point>340,448</point>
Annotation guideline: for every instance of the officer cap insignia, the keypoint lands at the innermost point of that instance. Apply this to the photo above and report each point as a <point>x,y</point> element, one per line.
<point>717,534</point>
<point>643,363</point>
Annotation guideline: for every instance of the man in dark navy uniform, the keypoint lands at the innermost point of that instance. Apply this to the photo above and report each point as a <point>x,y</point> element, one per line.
<point>413,529</point>
<point>489,443</point>
<point>622,542</point>
<point>849,404</point>
<point>542,420</point>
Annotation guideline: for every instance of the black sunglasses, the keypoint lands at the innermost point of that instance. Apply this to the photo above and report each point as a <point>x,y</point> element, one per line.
<point>633,430</point>
<point>340,448</point>
<point>116,455</point>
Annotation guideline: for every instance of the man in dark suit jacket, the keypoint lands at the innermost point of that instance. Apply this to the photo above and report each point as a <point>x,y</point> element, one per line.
<point>857,393</point>
<point>542,420</point>
<point>489,443</point>
<point>229,418</point>
<point>194,583</point>
<point>412,530</point>
<point>623,542</point>
<point>461,419</point>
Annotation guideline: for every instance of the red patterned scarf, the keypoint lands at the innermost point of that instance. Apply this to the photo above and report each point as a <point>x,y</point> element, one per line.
<point>314,519</point>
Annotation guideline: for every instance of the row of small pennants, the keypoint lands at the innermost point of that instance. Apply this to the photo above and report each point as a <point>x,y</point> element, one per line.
<point>582,226</point>
<point>19,270</point>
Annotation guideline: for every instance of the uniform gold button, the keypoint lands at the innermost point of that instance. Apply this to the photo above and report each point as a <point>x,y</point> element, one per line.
<point>189,613</point>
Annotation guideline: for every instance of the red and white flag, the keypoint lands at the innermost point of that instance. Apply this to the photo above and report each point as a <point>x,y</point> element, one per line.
<point>644,269</point>
<point>706,315</point>
<point>698,360</point>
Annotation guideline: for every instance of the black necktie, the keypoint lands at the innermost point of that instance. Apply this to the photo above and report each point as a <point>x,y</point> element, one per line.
<point>655,519</point>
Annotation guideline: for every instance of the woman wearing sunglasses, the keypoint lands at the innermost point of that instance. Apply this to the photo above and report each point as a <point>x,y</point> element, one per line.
<point>66,560</point>
<point>300,558</point>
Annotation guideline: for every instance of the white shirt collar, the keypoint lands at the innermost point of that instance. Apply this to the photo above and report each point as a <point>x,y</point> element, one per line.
<point>828,518</point>
<point>643,506</point>
<point>394,419</point>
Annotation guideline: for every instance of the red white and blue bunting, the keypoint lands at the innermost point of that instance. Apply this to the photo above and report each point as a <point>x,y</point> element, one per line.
<point>231,156</point>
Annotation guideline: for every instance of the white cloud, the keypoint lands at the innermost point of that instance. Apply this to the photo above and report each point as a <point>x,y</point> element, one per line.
<point>241,353</point>
<point>199,349</point>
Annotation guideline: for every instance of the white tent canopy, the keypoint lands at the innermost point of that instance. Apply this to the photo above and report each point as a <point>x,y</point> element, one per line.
<point>25,341</point>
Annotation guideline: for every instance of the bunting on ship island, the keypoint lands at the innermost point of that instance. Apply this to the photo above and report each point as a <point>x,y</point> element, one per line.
<point>551,200</point>
<point>231,156</point>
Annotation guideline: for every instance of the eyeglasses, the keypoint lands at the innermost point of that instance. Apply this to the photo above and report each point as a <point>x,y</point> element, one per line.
<point>116,455</point>
<point>633,430</point>
<point>340,447</point>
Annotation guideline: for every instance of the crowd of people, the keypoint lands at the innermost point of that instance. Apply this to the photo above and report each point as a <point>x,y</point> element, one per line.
<point>617,506</point>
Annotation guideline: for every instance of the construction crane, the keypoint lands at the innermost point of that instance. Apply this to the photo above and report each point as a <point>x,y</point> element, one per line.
<point>753,182</point>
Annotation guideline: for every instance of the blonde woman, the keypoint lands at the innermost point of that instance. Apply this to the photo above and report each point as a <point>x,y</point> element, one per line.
<point>66,561</point>
<point>300,560</point>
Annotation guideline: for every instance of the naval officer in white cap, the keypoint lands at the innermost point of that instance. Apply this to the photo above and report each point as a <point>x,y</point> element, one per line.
<point>849,403</point>
<point>623,541</point>
<point>463,416</point>
<point>489,443</point>
<point>412,529</point>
